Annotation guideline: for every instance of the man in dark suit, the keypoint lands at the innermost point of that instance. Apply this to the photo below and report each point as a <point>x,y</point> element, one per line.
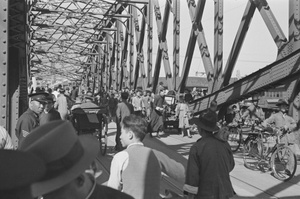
<point>49,113</point>
<point>124,108</point>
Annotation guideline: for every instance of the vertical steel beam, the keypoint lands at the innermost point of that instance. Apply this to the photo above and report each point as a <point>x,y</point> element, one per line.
<point>131,48</point>
<point>124,45</point>
<point>294,27</point>
<point>104,67</point>
<point>93,72</point>
<point>109,59</point>
<point>3,63</point>
<point>113,65</point>
<point>238,42</point>
<point>162,52</point>
<point>100,70</point>
<point>176,42</point>
<point>150,43</point>
<point>18,62</point>
<point>218,45</point>
<point>139,64</point>
<point>118,64</point>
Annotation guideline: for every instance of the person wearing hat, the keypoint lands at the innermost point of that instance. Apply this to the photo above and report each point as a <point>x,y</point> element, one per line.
<point>156,118</point>
<point>61,104</point>
<point>29,120</point>
<point>281,119</point>
<point>88,101</point>
<point>77,103</point>
<point>146,102</point>
<point>49,113</point>
<point>209,164</point>
<point>71,169</point>
<point>137,103</point>
<point>18,170</point>
<point>254,111</point>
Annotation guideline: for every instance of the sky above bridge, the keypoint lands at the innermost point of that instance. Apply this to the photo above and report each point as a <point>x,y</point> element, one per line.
<point>258,49</point>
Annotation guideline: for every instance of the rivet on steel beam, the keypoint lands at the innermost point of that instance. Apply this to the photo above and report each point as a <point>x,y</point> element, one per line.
<point>4,20</point>
<point>3,84</point>
<point>4,31</point>
<point>4,9</point>
<point>4,63</point>
<point>4,52</point>
<point>4,41</point>
<point>3,116</point>
<point>3,95</point>
<point>4,73</point>
<point>3,105</point>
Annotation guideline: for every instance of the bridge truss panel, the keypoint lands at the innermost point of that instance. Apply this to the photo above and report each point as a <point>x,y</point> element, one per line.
<point>76,39</point>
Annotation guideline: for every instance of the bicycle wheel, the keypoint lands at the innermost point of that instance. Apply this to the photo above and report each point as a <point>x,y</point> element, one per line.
<point>283,163</point>
<point>251,153</point>
<point>103,135</point>
<point>234,138</point>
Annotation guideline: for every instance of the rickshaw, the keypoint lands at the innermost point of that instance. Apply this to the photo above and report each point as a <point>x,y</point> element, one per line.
<point>92,121</point>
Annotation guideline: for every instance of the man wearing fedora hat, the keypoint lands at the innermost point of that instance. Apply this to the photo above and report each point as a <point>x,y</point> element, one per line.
<point>69,159</point>
<point>49,113</point>
<point>209,164</point>
<point>29,120</point>
<point>281,118</point>
<point>18,170</point>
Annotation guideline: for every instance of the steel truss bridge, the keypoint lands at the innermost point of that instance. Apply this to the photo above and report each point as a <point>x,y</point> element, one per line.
<point>104,43</point>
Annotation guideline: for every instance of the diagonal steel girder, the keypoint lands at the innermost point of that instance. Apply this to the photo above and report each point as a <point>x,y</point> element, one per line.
<point>274,29</point>
<point>284,70</point>
<point>196,35</point>
<point>162,51</point>
<point>140,34</point>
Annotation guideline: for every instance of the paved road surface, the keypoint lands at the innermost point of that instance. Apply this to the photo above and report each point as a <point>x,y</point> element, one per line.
<point>247,183</point>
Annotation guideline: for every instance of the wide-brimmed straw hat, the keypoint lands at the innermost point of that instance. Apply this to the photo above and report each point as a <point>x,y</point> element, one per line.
<point>66,154</point>
<point>282,102</point>
<point>18,169</point>
<point>207,121</point>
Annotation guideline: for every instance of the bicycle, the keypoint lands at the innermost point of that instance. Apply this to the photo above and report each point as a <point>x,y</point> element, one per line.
<point>92,121</point>
<point>235,134</point>
<point>237,130</point>
<point>264,151</point>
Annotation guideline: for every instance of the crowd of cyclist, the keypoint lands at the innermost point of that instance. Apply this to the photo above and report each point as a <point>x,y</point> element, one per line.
<point>250,114</point>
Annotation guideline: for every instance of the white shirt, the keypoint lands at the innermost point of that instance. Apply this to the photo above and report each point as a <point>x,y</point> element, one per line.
<point>118,165</point>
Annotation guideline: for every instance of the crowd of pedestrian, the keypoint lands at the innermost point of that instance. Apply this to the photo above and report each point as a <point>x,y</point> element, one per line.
<point>55,162</point>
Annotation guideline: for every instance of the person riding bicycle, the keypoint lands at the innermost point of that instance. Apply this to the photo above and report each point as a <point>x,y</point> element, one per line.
<point>254,112</point>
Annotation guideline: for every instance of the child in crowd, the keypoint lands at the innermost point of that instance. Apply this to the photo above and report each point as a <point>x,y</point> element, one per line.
<point>183,114</point>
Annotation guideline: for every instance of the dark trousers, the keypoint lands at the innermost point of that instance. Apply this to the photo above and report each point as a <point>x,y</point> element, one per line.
<point>118,146</point>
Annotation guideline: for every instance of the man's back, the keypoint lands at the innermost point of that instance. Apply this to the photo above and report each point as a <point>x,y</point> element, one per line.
<point>141,178</point>
<point>123,109</point>
<point>209,165</point>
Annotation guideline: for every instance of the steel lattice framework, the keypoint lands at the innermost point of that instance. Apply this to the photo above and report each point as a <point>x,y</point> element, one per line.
<point>102,42</point>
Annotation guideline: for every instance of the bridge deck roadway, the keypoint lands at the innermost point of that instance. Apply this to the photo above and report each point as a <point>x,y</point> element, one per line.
<point>247,183</point>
